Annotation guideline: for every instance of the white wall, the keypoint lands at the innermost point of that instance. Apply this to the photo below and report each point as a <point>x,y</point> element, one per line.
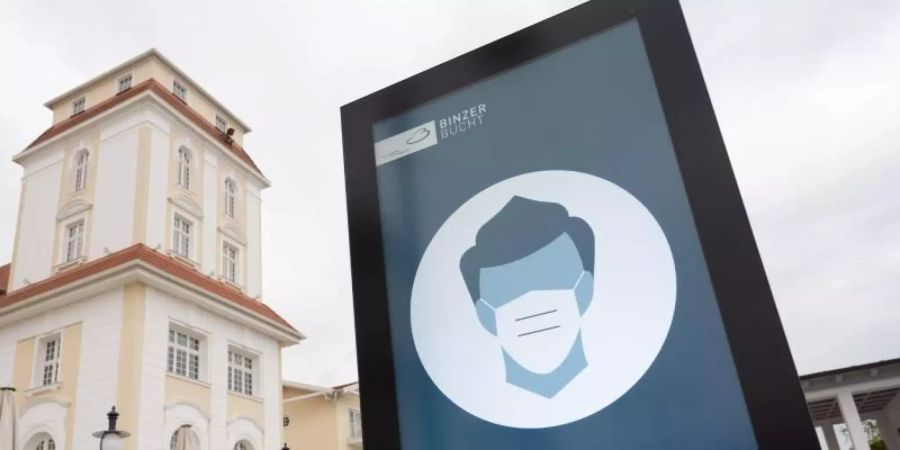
<point>158,183</point>
<point>254,243</point>
<point>210,211</point>
<point>113,215</point>
<point>37,224</point>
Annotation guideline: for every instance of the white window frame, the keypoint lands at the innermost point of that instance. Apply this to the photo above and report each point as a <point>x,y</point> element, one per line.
<point>182,236</point>
<point>221,123</point>
<point>82,166</point>
<point>73,241</point>
<point>79,105</point>
<point>230,197</point>
<point>130,80</point>
<point>185,159</point>
<point>179,90</point>
<point>231,262</point>
<point>243,380</point>
<point>354,424</point>
<point>185,353</point>
<point>43,361</point>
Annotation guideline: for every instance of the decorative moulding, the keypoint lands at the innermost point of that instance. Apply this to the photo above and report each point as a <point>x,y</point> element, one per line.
<point>186,202</point>
<point>232,229</point>
<point>73,208</point>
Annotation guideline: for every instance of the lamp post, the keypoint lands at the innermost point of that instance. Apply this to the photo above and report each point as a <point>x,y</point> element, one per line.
<point>111,439</point>
<point>285,447</point>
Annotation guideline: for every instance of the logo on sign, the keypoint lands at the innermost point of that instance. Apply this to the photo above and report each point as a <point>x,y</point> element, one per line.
<point>406,143</point>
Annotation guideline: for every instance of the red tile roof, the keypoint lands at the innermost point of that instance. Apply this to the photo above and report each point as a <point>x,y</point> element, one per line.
<point>140,252</point>
<point>168,97</point>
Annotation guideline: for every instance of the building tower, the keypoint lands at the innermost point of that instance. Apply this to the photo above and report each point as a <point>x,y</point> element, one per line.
<point>136,272</point>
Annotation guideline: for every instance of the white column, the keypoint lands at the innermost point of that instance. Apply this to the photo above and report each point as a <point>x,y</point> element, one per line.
<point>888,431</point>
<point>854,423</point>
<point>831,437</point>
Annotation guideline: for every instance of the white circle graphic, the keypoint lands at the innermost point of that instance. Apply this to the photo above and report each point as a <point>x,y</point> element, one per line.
<point>622,330</point>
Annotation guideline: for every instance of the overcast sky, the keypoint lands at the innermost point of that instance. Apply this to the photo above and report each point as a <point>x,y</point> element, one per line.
<point>807,94</point>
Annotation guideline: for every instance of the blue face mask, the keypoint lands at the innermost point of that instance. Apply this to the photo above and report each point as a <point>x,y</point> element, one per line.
<point>539,329</point>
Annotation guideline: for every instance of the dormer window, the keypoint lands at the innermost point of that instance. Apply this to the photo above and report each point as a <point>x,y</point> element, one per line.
<point>179,90</point>
<point>229,197</point>
<point>81,170</point>
<point>123,83</point>
<point>184,168</point>
<point>221,123</point>
<point>78,106</point>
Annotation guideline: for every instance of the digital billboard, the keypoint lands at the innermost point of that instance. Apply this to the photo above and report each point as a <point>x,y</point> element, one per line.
<point>531,235</point>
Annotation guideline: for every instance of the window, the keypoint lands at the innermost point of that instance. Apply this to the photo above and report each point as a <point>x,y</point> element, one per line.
<point>181,236</point>
<point>221,123</point>
<point>179,90</point>
<point>184,168</point>
<point>78,106</point>
<point>48,360</point>
<point>230,189</point>
<point>243,445</point>
<point>44,442</point>
<point>74,241</point>
<point>123,83</point>
<point>184,354</point>
<point>81,170</point>
<point>187,434</point>
<point>240,372</point>
<point>229,262</point>
<point>286,421</point>
<point>355,418</point>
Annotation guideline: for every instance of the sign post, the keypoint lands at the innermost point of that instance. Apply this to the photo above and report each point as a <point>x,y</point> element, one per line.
<point>549,251</point>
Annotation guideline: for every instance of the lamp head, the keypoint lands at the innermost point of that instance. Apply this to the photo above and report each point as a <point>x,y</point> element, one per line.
<point>111,440</point>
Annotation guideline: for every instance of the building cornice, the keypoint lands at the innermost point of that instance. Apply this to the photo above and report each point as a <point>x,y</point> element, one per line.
<point>171,104</point>
<point>139,263</point>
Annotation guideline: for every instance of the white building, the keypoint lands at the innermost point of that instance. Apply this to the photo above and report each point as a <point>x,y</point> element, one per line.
<point>848,398</point>
<point>136,274</point>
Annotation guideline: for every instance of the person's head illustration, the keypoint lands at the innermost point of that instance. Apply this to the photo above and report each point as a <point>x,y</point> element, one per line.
<point>530,276</point>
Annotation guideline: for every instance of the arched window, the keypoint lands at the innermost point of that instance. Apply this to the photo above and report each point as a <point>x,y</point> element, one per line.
<point>186,434</point>
<point>81,170</point>
<point>42,441</point>
<point>243,445</point>
<point>184,167</point>
<point>229,197</point>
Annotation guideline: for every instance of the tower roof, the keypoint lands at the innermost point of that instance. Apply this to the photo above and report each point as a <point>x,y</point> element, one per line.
<point>149,53</point>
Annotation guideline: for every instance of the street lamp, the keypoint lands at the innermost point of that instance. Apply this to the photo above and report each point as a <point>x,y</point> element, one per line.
<point>285,447</point>
<point>111,439</point>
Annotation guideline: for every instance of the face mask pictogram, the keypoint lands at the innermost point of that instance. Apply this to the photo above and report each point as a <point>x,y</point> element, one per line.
<point>534,301</point>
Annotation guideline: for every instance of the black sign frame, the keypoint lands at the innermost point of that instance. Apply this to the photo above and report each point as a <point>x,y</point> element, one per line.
<point>765,367</point>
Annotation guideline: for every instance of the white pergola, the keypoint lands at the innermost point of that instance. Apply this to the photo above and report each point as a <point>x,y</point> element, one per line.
<point>852,396</point>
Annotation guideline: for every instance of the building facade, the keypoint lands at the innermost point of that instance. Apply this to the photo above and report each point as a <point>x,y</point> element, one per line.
<point>852,407</point>
<point>322,418</point>
<point>136,273</point>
